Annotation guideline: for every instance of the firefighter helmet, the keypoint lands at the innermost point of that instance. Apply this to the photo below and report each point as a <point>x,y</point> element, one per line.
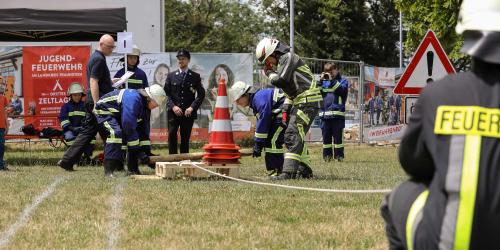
<point>238,89</point>
<point>135,51</point>
<point>157,93</point>
<point>265,48</point>
<point>481,15</point>
<point>75,88</point>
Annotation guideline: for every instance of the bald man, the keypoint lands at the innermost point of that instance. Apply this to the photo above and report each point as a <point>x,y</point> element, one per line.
<point>100,83</point>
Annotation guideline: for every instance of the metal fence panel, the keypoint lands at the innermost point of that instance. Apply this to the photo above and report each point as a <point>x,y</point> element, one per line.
<point>353,72</point>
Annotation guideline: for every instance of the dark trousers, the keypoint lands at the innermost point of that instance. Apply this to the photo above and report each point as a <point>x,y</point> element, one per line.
<point>333,137</point>
<point>395,210</point>
<point>296,155</point>
<point>81,142</point>
<point>274,147</point>
<point>186,125</point>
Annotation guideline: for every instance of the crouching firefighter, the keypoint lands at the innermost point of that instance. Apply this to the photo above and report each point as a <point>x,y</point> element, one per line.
<point>451,150</point>
<point>71,119</point>
<point>303,100</point>
<point>117,114</point>
<point>138,80</point>
<point>267,106</point>
<point>332,114</point>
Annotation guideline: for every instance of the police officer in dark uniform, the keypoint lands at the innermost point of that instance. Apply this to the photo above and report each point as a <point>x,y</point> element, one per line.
<point>451,150</point>
<point>185,95</point>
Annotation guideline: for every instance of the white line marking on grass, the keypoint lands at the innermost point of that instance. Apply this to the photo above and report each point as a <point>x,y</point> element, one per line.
<point>353,191</point>
<point>116,203</point>
<point>26,214</point>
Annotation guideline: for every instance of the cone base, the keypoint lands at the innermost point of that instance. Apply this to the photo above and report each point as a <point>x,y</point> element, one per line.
<point>221,154</point>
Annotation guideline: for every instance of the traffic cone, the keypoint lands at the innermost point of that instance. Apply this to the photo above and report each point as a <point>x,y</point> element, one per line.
<point>221,148</point>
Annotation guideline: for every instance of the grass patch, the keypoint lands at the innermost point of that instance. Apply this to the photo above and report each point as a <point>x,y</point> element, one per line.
<point>201,214</point>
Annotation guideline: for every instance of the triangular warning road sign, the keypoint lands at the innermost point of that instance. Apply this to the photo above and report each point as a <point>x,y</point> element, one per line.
<point>429,63</point>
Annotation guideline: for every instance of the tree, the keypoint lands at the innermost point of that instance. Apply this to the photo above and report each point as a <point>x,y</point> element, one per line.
<point>211,26</point>
<point>440,16</point>
<point>339,29</point>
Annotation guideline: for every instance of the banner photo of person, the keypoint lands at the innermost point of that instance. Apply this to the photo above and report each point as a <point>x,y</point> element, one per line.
<point>384,111</point>
<point>212,68</point>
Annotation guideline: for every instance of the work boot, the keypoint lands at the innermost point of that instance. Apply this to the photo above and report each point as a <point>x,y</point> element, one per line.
<point>67,167</point>
<point>283,176</point>
<point>327,158</point>
<point>4,168</point>
<point>133,163</point>
<point>84,161</point>
<point>272,172</point>
<point>305,173</point>
<point>109,167</point>
<point>340,159</point>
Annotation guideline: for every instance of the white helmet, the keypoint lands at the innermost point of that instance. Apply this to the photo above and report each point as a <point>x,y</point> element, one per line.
<point>483,15</point>
<point>135,51</point>
<point>265,48</point>
<point>157,93</point>
<point>238,89</point>
<point>75,88</point>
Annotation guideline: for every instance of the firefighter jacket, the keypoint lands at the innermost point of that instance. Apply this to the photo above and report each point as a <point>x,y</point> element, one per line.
<point>267,106</point>
<point>72,115</point>
<point>296,80</point>
<point>127,107</point>
<point>138,80</point>
<point>334,97</point>
<point>452,144</point>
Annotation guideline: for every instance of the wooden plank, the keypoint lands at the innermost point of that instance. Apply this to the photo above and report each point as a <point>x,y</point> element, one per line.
<point>186,169</point>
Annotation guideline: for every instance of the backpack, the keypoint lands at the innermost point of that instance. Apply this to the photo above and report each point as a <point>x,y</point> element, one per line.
<point>29,129</point>
<point>49,132</point>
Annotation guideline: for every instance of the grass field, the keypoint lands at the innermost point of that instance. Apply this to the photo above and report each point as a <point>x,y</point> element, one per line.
<point>85,210</point>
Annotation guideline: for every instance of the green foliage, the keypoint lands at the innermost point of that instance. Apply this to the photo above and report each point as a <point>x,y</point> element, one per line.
<point>211,26</point>
<point>364,30</point>
<point>440,16</point>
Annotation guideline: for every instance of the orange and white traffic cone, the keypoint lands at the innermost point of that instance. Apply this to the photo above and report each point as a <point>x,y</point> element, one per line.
<point>221,148</point>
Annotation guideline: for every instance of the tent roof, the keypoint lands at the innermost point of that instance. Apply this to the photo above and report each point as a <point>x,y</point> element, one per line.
<point>59,25</point>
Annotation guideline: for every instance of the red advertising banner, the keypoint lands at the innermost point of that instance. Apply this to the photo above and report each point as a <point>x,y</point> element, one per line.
<point>47,74</point>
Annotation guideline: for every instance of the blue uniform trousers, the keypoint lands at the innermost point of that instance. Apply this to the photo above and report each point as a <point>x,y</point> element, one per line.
<point>333,141</point>
<point>111,129</point>
<point>274,147</point>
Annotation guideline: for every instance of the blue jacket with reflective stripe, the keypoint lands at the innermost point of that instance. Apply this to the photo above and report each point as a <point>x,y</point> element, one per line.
<point>334,97</point>
<point>72,115</point>
<point>127,106</point>
<point>267,106</point>
<point>138,80</point>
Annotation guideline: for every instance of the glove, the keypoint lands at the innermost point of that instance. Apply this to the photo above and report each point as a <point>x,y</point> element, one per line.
<point>284,118</point>
<point>257,150</point>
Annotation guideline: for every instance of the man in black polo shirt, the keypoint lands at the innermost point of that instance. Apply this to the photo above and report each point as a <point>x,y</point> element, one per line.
<point>185,95</point>
<point>100,83</point>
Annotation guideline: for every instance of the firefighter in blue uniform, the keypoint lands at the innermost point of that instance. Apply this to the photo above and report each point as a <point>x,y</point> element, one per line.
<point>267,105</point>
<point>71,119</point>
<point>118,113</point>
<point>138,80</point>
<point>332,114</point>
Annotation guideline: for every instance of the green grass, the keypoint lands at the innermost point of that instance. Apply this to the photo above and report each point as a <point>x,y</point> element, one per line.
<point>199,214</point>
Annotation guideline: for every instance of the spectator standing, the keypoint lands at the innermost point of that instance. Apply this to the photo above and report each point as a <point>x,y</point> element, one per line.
<point>185,95</point>
<point>4,124</point>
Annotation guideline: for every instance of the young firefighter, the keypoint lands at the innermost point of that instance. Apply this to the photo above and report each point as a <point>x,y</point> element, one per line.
<point>288,72</point>
<point>71,119</point>
<point>138,80</point>
<point>267,106</point>
<point>334,89</point>
<point>117,115</point>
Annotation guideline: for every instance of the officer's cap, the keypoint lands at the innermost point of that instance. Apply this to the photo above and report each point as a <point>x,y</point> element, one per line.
<point>184,52</point>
